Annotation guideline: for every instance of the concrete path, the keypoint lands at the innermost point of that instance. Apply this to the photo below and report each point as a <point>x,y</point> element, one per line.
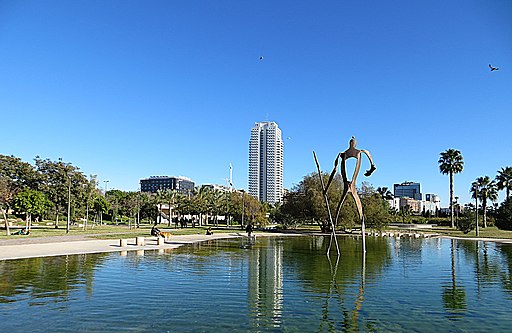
<point>64,245</point>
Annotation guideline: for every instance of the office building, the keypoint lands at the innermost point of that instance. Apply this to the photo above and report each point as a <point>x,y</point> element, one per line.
<point>266,162</point>
<point>154,183</point>
<point>407,190</point>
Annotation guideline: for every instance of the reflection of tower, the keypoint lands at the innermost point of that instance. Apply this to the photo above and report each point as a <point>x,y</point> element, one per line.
<point>266,284</point>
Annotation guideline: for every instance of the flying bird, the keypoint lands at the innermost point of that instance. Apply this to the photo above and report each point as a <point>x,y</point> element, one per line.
<point>493,68</point>
<point>261,57</point>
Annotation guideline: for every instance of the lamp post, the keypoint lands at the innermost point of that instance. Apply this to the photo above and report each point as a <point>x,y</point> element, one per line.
<point>138,208</point>
<point>243,207</point>
<point>476,209</point>
<point>69,204</point>
<point>457,211</point>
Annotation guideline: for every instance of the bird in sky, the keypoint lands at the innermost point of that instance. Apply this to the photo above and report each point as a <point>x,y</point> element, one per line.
<point>493,68</point>
<point>261,57</point>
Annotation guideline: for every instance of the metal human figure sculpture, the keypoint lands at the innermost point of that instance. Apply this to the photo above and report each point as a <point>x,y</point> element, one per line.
<point>349,186</point>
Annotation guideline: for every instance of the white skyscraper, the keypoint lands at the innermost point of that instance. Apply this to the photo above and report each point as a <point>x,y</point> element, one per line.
<point>266,162</point>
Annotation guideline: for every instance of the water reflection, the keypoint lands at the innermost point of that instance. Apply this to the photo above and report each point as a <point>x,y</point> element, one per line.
<point>454,295</point>
<point>506,267</point>
<point>276,284</point>
<point>265,285</point>
<point>340,279</point>
<point>49,279</point>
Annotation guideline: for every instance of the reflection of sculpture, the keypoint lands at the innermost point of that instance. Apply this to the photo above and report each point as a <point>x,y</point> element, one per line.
<point>349,186</point>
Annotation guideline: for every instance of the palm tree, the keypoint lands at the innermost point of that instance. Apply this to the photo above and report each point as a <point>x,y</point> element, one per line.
<point>202,200</point>
<point>504,180</point>
<point>485,189</point>
<point>170,197</point>
<point>160,199</point>
<point>451,162</point>
<point>215,205</point>
<point>385,193</point>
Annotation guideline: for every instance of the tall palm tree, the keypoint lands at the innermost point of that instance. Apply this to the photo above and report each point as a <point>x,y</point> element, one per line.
<point>504,180</point>
<point>451,162</point>
<point>485,189</point>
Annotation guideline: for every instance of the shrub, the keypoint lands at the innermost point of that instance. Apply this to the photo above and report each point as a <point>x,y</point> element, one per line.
<point>504,215</point>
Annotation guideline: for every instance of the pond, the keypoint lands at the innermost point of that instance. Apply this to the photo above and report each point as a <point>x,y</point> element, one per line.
<point>277,284</point>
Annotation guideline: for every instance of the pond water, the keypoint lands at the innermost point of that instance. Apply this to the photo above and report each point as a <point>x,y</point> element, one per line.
<point>276,285</point>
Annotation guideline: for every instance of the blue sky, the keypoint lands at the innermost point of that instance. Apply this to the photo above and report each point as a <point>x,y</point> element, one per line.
<point>131,89</point>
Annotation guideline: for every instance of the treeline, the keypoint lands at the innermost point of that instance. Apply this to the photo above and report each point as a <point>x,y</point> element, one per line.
<point>54,190</point>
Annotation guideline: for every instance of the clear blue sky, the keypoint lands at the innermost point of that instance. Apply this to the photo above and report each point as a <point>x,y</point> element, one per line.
<point>131,89</point>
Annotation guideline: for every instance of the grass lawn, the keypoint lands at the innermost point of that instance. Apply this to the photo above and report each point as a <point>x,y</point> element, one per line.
<point>108,231</point>
<point>489,232</point>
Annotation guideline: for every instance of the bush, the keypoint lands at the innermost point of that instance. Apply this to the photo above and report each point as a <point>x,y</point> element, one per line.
<point>504,215</point>
<point>467,221</point>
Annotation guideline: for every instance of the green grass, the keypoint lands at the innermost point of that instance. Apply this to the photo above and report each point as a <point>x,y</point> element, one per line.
<point>108,231</point>
<point>489,232</point>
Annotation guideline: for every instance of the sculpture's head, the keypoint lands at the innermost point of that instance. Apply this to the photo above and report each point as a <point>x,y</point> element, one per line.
<point>353,142</point>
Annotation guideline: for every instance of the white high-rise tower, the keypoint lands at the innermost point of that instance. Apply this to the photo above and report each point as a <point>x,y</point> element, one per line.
<point>266,162</point>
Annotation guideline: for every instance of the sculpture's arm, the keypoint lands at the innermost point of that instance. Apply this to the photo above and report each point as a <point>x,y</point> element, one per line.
<point>372,166</point>
<point>333,172</point>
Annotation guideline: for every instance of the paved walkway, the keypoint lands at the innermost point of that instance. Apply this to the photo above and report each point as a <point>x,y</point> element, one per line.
<point>63,245</point>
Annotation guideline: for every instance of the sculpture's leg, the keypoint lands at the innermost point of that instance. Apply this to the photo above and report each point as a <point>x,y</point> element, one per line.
<point>340,204</point>
<point>363,233</point>
<point>333,234</point>
<point>361,216</point>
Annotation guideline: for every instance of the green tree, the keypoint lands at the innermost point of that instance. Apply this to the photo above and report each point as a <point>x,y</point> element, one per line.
<point>201,203</point>
<point>31,202</point>
<point>6,197</point>
<point>130,205</point>
<point>215,205</point>
<point>451,162</point>
<point>170,197</point>
<point>116,199</point>
<point>375,207</point>
<point>15,176</point>
<point>57,179</point>
<point>91,189</point>
<point>486,190</point>
<point>504,180</point>
<point>504,215</point>
<point>21,175</point>
<point>405,212</point>
<point>100,206</point>
<point>148,207</point>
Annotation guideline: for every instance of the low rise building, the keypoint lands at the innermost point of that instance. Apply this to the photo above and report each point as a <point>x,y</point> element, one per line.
<point>154,183</point>
<point>406,194</point>
<point>407,190</point>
